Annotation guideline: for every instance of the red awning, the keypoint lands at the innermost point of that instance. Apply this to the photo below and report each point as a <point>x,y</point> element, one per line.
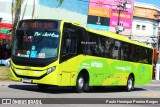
<point>3,36</point>
<point>5,25</point>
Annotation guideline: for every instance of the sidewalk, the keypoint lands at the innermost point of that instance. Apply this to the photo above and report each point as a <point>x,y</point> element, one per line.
<point>154,83</point>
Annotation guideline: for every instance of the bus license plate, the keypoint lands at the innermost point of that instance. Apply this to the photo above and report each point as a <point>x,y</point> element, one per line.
<point>26,80</point>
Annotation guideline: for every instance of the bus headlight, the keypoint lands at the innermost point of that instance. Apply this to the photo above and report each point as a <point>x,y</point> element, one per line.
<point>51,69</point>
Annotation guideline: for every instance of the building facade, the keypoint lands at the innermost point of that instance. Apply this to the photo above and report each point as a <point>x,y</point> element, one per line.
<point>145,25</point>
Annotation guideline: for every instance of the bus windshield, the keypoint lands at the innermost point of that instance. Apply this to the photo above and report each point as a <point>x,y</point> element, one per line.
<point>36,43</point>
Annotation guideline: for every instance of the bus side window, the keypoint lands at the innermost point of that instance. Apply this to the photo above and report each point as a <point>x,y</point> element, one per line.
<point>111,45</point>
<point>116,49</point>
<point>149,56</point>
<point>93,45</point>
<point>126,52</point>
<point>138,54</point>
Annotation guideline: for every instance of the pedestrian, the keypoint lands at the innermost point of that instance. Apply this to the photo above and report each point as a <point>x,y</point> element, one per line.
<point>156,53</point>
<point>1,51</point>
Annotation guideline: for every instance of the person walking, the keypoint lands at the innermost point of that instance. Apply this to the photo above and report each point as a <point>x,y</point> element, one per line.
<point>156,53</point>
<point>156,57</point>
<point>1,51</point>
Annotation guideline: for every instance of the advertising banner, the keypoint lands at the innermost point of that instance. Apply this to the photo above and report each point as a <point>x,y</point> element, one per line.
<point>105,14</point>
<point>145,13</point>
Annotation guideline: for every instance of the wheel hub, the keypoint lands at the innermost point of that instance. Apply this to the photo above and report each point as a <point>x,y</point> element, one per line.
<point>130,84</point>
<point>80,82</point>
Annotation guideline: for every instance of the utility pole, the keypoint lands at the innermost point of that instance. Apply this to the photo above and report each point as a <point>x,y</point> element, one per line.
<point>122,6</point>
<point>119,27</point>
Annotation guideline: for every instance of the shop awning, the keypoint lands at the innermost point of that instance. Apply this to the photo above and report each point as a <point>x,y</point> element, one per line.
<point>4,36</point>
<point>5,25</point>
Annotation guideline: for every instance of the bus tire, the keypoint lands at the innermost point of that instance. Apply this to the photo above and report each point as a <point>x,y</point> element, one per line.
<point>130,84</point>
<point>42,87</point>
<point>80,84</point>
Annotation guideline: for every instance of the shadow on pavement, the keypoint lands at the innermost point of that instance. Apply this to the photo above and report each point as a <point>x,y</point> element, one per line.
<point>62,90</point>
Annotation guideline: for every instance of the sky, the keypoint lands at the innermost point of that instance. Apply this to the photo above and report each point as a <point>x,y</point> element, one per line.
<point>81,6</point>
<point>155,2</point>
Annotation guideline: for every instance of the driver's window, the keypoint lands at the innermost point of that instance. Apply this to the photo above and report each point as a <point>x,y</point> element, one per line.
<point>66,42</point>
<point>69,44</point>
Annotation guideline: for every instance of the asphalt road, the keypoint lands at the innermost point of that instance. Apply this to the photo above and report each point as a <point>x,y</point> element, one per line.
<point>10,89</point>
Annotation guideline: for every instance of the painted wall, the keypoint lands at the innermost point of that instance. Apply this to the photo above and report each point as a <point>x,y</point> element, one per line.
<point>70,10</point>
<point>144,35</point>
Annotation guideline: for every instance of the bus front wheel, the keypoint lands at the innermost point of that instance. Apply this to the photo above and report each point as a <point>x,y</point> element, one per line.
<point>130,84</point>
<point>80,84</point>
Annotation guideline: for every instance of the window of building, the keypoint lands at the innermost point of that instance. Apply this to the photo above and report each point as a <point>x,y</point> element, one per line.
<point>154,31</point>
<point>143,27</point>
<point>137,27</point>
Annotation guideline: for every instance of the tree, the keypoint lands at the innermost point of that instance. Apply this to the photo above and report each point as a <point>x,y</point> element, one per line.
<point>60,2</point>
<point>16,9</point>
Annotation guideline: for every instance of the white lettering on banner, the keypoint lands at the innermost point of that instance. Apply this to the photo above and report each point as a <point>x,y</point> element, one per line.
<point>46,34</point>
<point>125,24</point>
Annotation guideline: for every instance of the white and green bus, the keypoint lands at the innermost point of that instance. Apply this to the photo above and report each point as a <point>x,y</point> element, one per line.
<point>60,53</point>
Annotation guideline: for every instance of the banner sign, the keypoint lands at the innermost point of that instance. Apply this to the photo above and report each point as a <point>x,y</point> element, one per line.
<point>103,14</point>
<point>145,13</point>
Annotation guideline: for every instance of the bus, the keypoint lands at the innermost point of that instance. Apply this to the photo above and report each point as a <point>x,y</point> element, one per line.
<point>61,53</point>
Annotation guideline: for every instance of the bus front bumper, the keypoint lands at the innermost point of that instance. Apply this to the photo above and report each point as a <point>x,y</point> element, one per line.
<point>34,77</point>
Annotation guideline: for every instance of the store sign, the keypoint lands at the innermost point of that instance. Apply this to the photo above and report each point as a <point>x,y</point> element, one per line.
<point>145,13</point>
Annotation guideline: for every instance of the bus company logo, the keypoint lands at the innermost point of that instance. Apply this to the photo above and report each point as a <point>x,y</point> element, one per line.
<point>96,64</point>
<point>6,101</point>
